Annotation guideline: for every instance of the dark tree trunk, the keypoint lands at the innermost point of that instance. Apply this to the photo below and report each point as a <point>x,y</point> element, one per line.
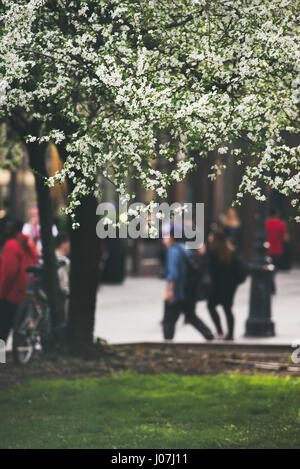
<point>36,154</point>
<point>85,255</point>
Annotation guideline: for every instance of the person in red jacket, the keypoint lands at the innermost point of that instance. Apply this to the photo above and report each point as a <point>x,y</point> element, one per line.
<point>276,233</point>
<point>19,252</point>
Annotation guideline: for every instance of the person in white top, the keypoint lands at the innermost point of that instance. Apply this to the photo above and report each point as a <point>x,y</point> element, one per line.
<point>62,251</point>
<point>33,230</point>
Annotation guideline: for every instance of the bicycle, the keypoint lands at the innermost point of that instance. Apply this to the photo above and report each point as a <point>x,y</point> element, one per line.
<point>32,326</point>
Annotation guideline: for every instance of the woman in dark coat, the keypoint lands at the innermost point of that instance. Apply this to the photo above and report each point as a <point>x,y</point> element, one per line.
<point>232,228</point>
<point>222,261</point>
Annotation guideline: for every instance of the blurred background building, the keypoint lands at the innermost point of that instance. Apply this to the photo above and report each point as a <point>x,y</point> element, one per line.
<point>141,257</point>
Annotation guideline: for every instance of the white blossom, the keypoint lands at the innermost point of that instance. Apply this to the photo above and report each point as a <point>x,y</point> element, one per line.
<point>129,79</point>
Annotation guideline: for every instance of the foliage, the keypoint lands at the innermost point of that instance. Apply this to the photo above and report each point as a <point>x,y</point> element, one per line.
<point>11,150</point>
<point>126,84</point>
<point>162,411</point>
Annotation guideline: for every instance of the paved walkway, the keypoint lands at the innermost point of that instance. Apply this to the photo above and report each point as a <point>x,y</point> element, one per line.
<point>132,312</point>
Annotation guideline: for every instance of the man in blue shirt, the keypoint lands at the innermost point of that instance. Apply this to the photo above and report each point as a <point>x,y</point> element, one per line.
<point>176,271</point>
<point>176,300</point>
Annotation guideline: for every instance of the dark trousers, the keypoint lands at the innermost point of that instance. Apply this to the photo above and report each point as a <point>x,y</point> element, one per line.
<point>276,260</point>
<point>7,316</point>
<point>172,312</point>
<point>216,319</point>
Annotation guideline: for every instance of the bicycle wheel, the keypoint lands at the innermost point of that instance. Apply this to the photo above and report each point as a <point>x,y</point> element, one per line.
<point>25,333</point>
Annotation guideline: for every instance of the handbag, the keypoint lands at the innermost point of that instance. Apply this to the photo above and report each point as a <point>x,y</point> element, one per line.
<point>204,283</point>
<point>241,270</point>
<point>198,282</point>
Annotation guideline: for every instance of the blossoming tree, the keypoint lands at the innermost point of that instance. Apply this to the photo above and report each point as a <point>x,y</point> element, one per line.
<point>121,85</point>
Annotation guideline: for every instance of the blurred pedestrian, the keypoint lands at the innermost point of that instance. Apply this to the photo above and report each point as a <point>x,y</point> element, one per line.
<point>179,299</point>
<point>226,270</point>
<point>19,252</point>
<point>277,234</point>
<point>62,252</point>
<point>233,229</point>
<point>113,260</point>
<point>33,230</point>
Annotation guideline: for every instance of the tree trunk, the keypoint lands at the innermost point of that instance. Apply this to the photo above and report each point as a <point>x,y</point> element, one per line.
<point>85,256</point>
<point>36,154</point>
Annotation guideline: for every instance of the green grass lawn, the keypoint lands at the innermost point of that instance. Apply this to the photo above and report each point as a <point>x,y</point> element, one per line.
<point>161,411</point>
